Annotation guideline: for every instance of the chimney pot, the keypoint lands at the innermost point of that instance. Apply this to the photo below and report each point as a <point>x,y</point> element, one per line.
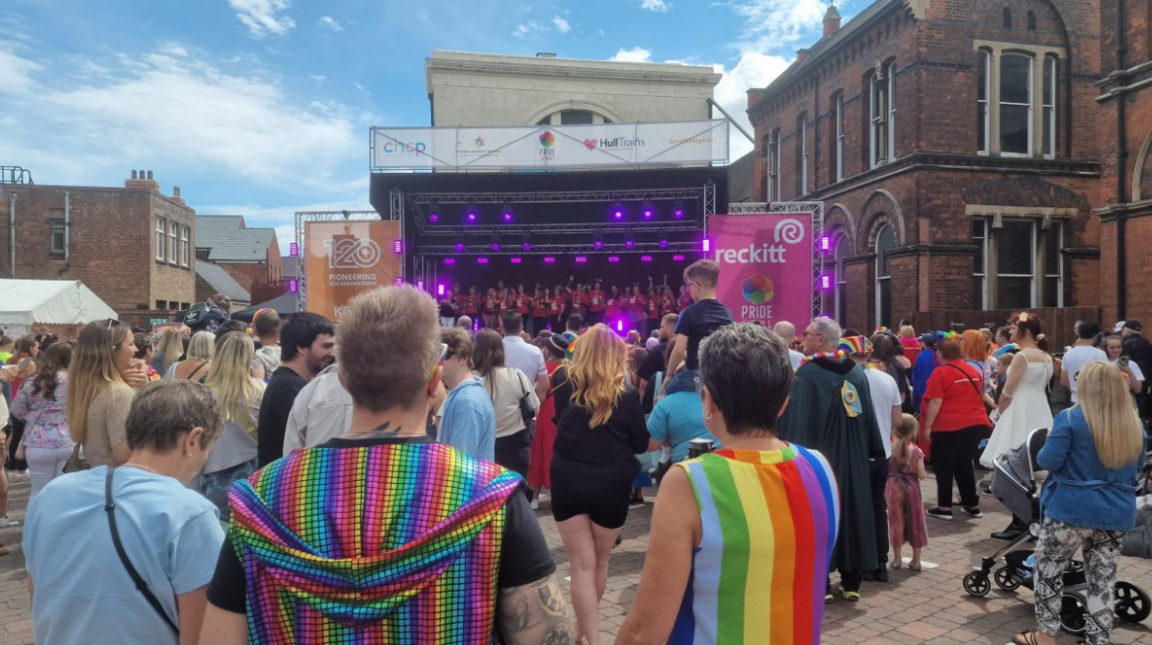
<point>801,55</point>
<point>149,175</point>
<point>134,174</point>
<point>175,191</point>
<point>831,21</point>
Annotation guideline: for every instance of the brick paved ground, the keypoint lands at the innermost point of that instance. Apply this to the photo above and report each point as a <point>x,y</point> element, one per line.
<point>927,607</point>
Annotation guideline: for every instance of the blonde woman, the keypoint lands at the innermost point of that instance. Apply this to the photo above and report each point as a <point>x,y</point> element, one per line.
<point>99,396</point>
<point>196,365</point>
<point>599,428</point>
<point>169,349</point>
<point>240,395</point>
<point>1092,456</point>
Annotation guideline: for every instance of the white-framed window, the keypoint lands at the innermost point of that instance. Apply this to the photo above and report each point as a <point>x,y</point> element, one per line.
<point>184,249</point>
<point>882,115</point>
<point>1048,105</point>
<point>173,242</point>
<point>804,154</point>
<point>842,251</point>
<point>774,166</point>
<point>160,242</point>
<point>1019,264</point>
<point>983,96</point>
<point>885,244</point>
<point>1016,105</point>
<point>839,157</point>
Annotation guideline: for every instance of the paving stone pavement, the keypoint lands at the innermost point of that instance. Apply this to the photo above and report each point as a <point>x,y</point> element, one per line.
<point>926,607</point>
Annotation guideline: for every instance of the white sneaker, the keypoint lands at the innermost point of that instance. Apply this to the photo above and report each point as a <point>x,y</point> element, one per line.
<point>535,504</point>
<point>5,522</point>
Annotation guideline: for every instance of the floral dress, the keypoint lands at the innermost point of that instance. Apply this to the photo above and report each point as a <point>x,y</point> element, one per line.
<point>46,420</point>
<point>907,523</point>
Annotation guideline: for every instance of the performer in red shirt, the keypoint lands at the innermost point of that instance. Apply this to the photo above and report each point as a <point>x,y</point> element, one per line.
<point>457,301</point>
<point>685,299</point>
<point>636,303</point>
<point>539,311</point>
<point>612,308</point>
<point>557,306</point>
<point>472,303</point>
<point>491,305</point>
<point>667,302</point>
<point>596,304</point>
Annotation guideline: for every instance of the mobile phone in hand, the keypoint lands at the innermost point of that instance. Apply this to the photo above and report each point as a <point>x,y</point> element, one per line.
<point>1124,360</point>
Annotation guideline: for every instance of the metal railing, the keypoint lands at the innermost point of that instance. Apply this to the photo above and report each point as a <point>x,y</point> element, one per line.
<point>15,175</point>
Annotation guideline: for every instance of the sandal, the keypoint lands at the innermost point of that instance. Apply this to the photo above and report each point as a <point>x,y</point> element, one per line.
<point>915,566</point>
<point>897,563</point>
<point>1026,638</point>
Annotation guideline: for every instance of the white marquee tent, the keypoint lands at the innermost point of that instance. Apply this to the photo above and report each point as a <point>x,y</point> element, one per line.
<point>24,303</point>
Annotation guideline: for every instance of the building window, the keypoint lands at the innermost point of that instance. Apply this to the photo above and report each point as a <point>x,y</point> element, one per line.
<point>1020,262</point>
<point>1016,104</point>
<point>839,156</point>
<point>160,231</point>
<point>885,244</point>
<point>173,242</point>
<point>803,153</point>
<point>882,115</point>
<point>1031,21</point>
<point>574,117</point>
<point>1007,18</point>
<point>843,250</point>
<point>983,90</point>
<point>184,231</point>
<point>774,166</point>
<point>56,237</point>
<point>1048,135</point>
<point>161,305</point>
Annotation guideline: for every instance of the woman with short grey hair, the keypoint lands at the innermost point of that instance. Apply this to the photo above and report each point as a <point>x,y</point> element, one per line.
<point>700,528</point>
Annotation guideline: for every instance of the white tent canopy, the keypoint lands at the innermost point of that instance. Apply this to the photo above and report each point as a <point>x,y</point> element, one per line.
<point>50,302</point>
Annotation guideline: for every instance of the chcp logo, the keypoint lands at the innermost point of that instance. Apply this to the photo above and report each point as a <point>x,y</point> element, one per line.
<point>404,147</point>
<point>350,252</point>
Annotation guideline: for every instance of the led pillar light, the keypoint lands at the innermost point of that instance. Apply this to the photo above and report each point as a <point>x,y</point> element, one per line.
<point>398,246</point>
<point>549,260</point>
<point>580,259</point>
<point>706,245</point>
<point>294,250</point>
<point>293,285</point>
<point>825,244</point>
<point>677,258</point>
<point>481,260</point>
<point>449,261</point>
<point>826,282</point>
<point>439,289</point>
<point>420,285</point>
<point>399,281</point>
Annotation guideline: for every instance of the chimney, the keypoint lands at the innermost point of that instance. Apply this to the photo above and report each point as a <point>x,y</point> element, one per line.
<point>831,21</point>
<point>801,55</point>
<point>142,180</point>
<point>176,195</point>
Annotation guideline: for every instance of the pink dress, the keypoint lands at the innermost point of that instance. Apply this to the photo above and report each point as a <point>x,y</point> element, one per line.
<point>907,523</point>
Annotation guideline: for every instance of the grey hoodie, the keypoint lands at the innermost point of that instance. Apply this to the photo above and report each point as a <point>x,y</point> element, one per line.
<point>322,411</point>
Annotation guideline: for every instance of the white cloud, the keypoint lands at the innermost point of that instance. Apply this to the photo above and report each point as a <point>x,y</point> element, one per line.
<point>658,6</point>
<point>529,29</point>
<point>330,22</point>
<point>634,55</point>
<point>261,16</point>
<point>16,74</point>
<point>562,25</point>
<point>752,70</point>
<point>772,25</point>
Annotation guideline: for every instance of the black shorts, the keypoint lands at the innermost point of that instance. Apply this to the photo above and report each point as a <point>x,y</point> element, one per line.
<point>600,491</point>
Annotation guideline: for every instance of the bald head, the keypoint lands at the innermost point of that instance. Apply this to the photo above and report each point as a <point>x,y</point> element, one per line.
<point>786,331</point>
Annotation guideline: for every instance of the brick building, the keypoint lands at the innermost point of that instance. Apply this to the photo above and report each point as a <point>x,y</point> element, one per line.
<point>956,147</point>
<point>131,246</point>
<point>250,255</point>
<point>1126,185</point>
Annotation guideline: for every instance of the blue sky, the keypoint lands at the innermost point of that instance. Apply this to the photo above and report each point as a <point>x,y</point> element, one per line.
<point>262,107</point>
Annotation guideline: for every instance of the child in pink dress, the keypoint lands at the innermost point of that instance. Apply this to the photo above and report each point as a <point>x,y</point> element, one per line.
<point>907,523</point>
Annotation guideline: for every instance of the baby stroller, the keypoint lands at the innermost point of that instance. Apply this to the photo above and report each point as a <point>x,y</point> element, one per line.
<point>1014,484</point>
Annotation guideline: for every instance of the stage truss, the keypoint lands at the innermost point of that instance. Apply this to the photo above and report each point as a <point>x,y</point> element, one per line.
<point>817,211</point>
<point>302,218</point>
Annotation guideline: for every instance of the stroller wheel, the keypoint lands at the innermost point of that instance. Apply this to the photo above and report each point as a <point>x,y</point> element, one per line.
<point>977,584</point>
<point>1132,604</point>
<point>1006,580</point>
<point>1073,614</point>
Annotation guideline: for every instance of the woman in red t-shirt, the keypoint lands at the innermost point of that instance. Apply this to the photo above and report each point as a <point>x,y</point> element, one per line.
<point>491,307</point>
<point>472,303</point>
<point>596,300</point>
<point>557,304</point>
<point>635,304</point>
<point>954,420</point>
<point>612,307</point>
<point>667,302</point>
<point>652,308</point>
<point>540,311</point>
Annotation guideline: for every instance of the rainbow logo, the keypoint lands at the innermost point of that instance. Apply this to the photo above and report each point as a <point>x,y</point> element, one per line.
<point>758,289</point>
<point>547,140</point>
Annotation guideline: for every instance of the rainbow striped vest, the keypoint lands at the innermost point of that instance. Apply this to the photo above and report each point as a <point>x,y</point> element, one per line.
<point>395,543</point>
<point>770,521</point>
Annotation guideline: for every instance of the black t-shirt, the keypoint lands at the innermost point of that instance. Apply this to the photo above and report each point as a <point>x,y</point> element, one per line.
<point>524,555</point>
<point>697,322</point>
<point>1139,350</point>
<point>617,441</point>
<point>446,310</point>
<point>654,363</point>
<point>283,388</point>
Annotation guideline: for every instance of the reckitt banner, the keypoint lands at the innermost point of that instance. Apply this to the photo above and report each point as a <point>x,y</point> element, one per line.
<point>345,258</point>
<point>551,146</point>
<point>765,266</point>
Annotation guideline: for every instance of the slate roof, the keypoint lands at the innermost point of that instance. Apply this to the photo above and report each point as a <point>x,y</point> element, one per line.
<point>230,240</point>
<point>221,282</point>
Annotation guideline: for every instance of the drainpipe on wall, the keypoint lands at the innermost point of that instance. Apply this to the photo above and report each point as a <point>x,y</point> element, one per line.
<point>1121,169</point>
<point>67,235</point>
<point>12,236</point>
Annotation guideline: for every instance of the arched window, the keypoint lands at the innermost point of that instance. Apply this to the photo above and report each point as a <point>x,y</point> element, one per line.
<point>843,248</point>
<point>885,244</point>
<point>573,117</point>
<point>1007,18</point>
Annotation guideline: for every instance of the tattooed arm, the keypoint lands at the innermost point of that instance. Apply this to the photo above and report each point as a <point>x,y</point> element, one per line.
<point>535,614</point>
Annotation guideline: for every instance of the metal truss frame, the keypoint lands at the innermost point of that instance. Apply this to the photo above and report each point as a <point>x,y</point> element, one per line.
<point>302,218</point>
<point>559,249</point>
<point>817,211</point>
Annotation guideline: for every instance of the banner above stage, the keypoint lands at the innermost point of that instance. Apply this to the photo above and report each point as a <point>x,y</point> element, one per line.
<point>765,266</point>
<point>551,146</point>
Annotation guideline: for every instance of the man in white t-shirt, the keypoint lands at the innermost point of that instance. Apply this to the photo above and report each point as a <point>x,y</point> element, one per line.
<point>885,396</point>
<point>787,332</point>
<point>1076,357</point>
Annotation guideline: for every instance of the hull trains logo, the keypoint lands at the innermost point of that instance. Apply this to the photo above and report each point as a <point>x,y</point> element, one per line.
<point>614,143</point>
<point>547,146</point>
<point>350,252</point>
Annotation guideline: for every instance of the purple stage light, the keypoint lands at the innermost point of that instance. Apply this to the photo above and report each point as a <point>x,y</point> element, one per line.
<point>481,260</point>
<point>439,289</point>
<point>294,250</point>
<point>620,325</point>
<point>399,281</point>
<point>433,217</point>
<point>706,245</point>
<point>598,244</point>
<point>449,261</point>
<point>613,259</point>
<point>618,212</point>
<point>471,217</point>
<point>677,258</point>
<point>826,282</point>
<point>629,243</point>
<point>663,242</point>
<point>580,259</point>
<point>645,258</point>
<point>825,244</point>
<point>397,246</point>
<point>648,213</point>
<point>678,213</point>
<point>507,216</point>
<point>516,260</point>
<point>293,286</point>
<point>549,260</point>
<point>459,247</point>
<point>495,246</point>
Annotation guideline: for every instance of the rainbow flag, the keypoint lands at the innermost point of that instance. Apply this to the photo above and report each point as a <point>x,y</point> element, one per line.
<point>770,520</point>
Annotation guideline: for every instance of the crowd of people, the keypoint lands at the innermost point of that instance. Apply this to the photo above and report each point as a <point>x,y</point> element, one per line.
<point>375,480</point>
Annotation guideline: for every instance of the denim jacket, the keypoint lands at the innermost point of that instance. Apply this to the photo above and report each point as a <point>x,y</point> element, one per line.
<point>1080,490</point>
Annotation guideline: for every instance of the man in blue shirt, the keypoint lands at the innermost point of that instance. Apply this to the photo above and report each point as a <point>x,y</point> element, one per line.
<point>467,419</point>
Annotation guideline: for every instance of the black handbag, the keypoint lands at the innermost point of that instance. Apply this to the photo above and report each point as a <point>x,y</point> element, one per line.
<point>527,412</point>
<point>141,584</point>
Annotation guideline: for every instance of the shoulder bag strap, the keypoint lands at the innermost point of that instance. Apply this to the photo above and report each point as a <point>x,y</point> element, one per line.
<point>979,394</point>
<point>197,370</point>
<point>141,584</point>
